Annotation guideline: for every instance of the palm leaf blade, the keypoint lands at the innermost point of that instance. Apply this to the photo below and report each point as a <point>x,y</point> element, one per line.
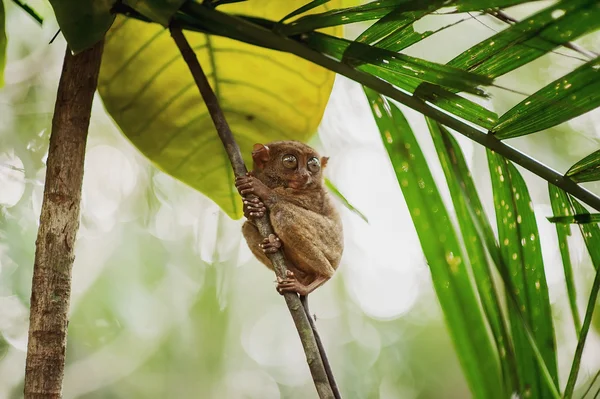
<point>337,193</point>
<point>394,31</point>
<point>459,178</point>
<point>561,208</point>
<point>531,38</point>
<point>520,248</point>
<point>379,8</point>
<point>399,64</point>
<point>588,169</point>
<point>365,12</point>
<point>441,248</point>
<point>456,105</point>
<point>565,98</point>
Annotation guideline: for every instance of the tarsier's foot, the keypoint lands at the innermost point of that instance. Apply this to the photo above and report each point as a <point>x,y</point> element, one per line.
<point>290,284</point>
<point>271,244</point>
<point>254,208</point>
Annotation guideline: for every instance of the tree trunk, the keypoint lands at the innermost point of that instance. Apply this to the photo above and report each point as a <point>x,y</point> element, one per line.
<point>59,222</point>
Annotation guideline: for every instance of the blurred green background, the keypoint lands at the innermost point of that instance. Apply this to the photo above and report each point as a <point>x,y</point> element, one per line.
<point>167,300</point>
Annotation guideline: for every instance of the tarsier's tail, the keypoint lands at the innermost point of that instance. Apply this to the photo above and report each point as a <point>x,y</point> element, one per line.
<point>332,383</point>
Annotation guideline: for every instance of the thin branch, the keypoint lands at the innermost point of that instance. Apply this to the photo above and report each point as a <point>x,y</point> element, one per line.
<point>328,370</point>
<point>295,307</point>
<point>59,222</point>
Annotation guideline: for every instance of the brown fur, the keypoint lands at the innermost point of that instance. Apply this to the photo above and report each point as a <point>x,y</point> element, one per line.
<point>303,218</point>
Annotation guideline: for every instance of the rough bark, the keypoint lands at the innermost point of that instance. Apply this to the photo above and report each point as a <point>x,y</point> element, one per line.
<point>313,356</point>
<point>59,222</point>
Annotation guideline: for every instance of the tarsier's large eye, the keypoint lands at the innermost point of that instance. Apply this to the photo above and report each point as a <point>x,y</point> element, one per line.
<point>289,161</point>
<point>314,165</point>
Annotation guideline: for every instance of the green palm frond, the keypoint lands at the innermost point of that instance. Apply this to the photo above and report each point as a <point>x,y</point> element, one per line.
<point>432,88</point>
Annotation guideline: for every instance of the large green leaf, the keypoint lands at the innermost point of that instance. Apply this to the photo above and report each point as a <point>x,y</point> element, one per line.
<point>520,248</point>
<point>2,44</point>
<point>460,182</point>
<point>83,22</point>
<point>588,169</point>
<point>266,96</point>
<point>531,38</point>
<point>561,100</point>
<point>561,208</point>
<point>442,250</point>
<point>591,236</point>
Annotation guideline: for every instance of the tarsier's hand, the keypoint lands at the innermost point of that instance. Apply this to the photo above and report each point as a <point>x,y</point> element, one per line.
<point>247,185</point>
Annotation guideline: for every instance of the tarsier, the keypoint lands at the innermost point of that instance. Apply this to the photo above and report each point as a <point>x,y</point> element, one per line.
<point>287,181</point>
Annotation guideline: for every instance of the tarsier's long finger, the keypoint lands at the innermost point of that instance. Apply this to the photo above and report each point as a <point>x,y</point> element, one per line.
<point>246,191</point>
<point>255,207</point>
<point>253,200</point>
<point>257,210</point>
<point>288,287</point>
<point>242,182</point>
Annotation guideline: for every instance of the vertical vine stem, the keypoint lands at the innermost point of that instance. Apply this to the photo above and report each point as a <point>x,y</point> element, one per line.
<point>587,321</point>
<point>59,222</point>
<point>303,325</point>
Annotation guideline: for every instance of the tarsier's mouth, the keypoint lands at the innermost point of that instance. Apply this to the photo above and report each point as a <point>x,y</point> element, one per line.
<point>297,184</point>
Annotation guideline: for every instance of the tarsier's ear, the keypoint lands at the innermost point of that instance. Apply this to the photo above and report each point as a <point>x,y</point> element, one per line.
<point>260,155</point>
<point>324,162</point>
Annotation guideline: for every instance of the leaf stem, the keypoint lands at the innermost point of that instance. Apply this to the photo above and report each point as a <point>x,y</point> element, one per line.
<point>313,356</point>
<point>32,13</point>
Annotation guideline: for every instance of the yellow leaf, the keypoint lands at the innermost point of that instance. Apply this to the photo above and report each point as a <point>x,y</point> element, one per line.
<point>266,95</point>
